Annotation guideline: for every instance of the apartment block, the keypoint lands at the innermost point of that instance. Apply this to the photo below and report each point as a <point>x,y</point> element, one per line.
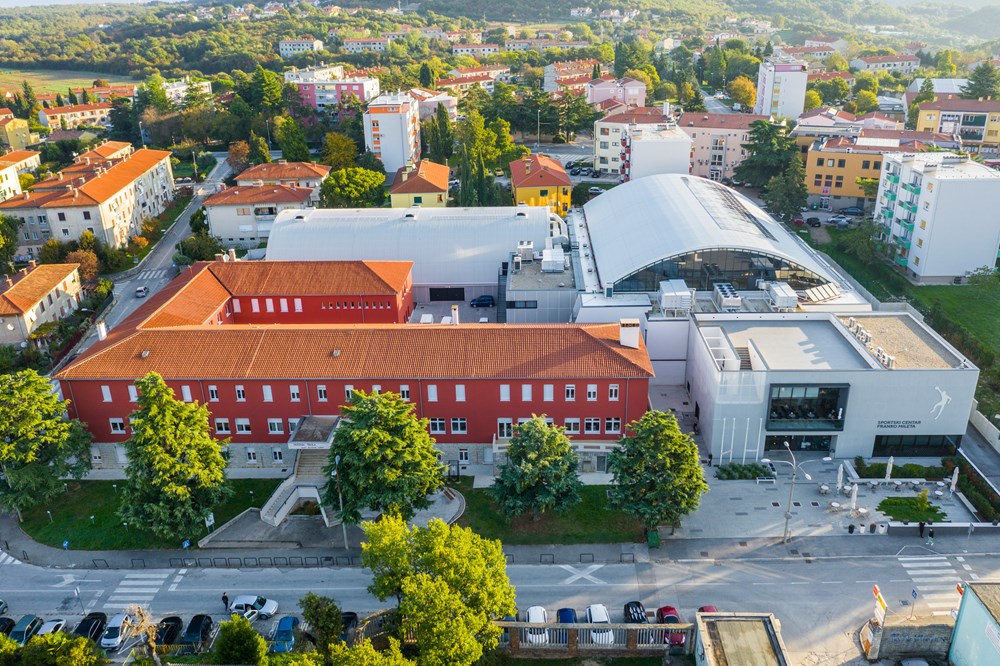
<point>539,180</point>
<point>608,134</point>
<point>242,216</point>
<point>367,45</point>
<point>781,87</point>
<point>392,130</point>
<point>74,115</point>
<point>292,47</point>
<point>904,64</point>
<point>657,149</point>
<point>34,296</point>
<point>976,121</point>
<point>717,141</point>
<point>625,91</point>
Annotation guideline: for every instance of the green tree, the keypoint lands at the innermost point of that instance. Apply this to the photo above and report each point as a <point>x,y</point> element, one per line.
<point>387,458</point>
<point>479,140</point>
<point>365,654</point>
<point>9,227</point>
<point>768,150</point>
<point>813,100</point>
<point>265,91</point>
<point>441,136</point>
<point>428,79</point>
<point>352,187</point>
<point>865,102</point>
<point>743,91</point>
<point>25,180</point>
<point>836,62</point>
<point>787,192</point>
<point>239,643</point>
<point>865,81</point>
<point>195,96</point>
<point>153,95</point>
<point>60,649</point>
<point>88,263</point>
<point>39,447</point>
<point>201,247</point>
<point>322,614</point>
<point>471,568</point>
<point>926,93</point>
<point>869,186</point>
<point>199,221</point>
<point>29,102</point>
<point>657,475</point>
<point>72,97</point>
<point>124,123</point>
<point>984,81</point>
<point>540,472</point>
<point>445,629</point>
<point>339,151</point>
<point>259,152</point>
<point>176,472</point>
<point>292,141</point>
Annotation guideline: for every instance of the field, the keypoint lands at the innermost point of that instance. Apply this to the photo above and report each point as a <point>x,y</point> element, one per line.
<point>54,80</point>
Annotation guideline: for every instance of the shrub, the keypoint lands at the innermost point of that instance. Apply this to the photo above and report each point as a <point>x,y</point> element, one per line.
<point>732,471</point>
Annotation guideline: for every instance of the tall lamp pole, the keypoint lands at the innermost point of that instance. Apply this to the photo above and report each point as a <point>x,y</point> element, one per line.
<point>340,496</point>
<point>791,487</point>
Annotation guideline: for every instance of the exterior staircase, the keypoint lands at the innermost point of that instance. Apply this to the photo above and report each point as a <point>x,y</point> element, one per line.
<point>744,354</point>
<point>306,482</point>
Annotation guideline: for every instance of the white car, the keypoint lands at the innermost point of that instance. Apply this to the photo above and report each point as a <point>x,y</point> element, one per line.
<point>52,626</point>
<point>596,190</point>
<point>598,614</point>
<point>253,607</point>
<point>119,629</point>
<point>536,615</point>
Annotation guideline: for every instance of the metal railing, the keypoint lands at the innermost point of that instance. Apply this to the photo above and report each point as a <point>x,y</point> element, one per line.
<point>597,638</point>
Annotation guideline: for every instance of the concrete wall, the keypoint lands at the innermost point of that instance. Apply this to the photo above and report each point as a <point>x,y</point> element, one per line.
<point>929,638</point>
<point>977,638</point>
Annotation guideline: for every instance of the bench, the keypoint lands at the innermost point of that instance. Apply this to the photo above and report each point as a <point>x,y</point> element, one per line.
<point>766,479</point>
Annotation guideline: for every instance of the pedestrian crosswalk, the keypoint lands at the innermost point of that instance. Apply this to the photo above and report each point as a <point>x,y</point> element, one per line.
<point>136,589</point>
<point>151,274</point>
<point>934,579</point>
<point>8,560</point>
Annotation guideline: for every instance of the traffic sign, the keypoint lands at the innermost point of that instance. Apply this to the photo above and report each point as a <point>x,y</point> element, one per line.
<point>875,590</point>
<point>961,590</point>
<point>913,593</point>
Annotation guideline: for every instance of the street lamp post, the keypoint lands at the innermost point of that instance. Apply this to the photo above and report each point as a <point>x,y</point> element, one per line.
<point>267,127</point>
<point>538,129</point>
<point>142,137</point>
<point>791,488</point>
<point>340,496</point>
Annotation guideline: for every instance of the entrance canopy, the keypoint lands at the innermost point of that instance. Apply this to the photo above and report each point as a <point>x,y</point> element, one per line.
<point>314,432</point>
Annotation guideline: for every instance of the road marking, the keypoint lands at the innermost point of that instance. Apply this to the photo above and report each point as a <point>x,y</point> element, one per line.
<point>585,574</point>
<point>8,560</point>
<point>928,575</point>
<point>137,588</point>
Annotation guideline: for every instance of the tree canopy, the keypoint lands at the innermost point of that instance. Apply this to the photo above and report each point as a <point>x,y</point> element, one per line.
<point>768,150</point>
<point>239,643</point>
<point>353,187</point>
<point>787,192</point>
<point>984,82</point>
<point>323,616</point>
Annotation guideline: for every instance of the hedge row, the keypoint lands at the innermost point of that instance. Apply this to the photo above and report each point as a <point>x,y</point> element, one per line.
<point>733,471</point>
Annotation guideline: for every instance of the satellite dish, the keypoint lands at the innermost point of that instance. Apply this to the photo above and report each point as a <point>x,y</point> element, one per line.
<point>10,327</point>
<point>24,345</point>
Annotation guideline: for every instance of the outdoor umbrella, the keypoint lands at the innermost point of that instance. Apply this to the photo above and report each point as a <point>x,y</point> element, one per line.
<point>888,470</point>
<point>840,476</point>
<point>854,497</point>
<point>954,480</point>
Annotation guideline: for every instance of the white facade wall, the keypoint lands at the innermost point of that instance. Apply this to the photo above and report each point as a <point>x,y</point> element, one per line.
<point>10,185</point>
<point>291,47</point>
<point>392,130</point>
<point>716,152</point>
<point>781,88</point>
<point>245,225</point>
<point>656,151</point>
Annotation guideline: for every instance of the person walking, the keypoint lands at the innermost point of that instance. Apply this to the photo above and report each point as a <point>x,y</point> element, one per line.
<point>225,601</point>
<point>923,526</point>
<point>930,537</point>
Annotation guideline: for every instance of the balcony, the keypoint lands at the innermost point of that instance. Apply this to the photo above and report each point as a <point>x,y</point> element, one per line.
<point>912,188</point>
<point>907,224</point>
<point>909,206</point>
<point>902,241</point>
<point>887,212</point>
<point>901,260</point>
<point>890,196</point>
<point>892,178</point>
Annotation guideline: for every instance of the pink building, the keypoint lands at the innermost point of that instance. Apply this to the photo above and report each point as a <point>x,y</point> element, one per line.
<point>627,91</point>
<point>326,86</point>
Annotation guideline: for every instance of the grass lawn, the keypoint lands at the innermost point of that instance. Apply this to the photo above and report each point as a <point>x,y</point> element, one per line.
<point>55,80</point>
<point>908,509</point>
<point>185,169</point>
<point>590,521</point>
<point>71,516</point>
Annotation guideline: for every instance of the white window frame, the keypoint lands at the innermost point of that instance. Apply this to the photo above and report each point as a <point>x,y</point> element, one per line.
<point>117,426</point>
<point>525,392</point>
<point>459,425</point>
<point>463,456</point>
<point>213,393</point>
<point>222,427</point>
<point>505,393</point>
<point>298,304</point>
<point>404,392</point>
<point>277,455</point>
<point>505,428</point>
<point>591,392</point>
<point>348,389</point>
<point>243,426</point>
<point>459,392</point>
<point>432,393</point>
<point>241,393</point>
<point>293,425</point>
<point>613,425</point>
<point>186,393</point>
<point>254,305</point>
<point>570,393</point>
<point>268,394</point>
<point>613,392</point>
<point>133,393</point>
<point>106,393</point>
<point>251,455</point>
<point>437,426</point>
<point>275,427</point>
<point>548,392</point>
<point>293,393</point>
<point>269,304</point>
<point>321,393</point>
<point>572,426</point>
<point>592,426</point>
<point>283,304</point>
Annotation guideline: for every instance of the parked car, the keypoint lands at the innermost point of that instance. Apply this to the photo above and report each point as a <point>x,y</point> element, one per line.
<point>253,607</point>
<point>118,630</point>
<point>198,631</point>
<point>284,634</point>
<point>575,171</point>
<point>498,172</point>
<point>635,613</point>
<point>669,615</point>
<point>598,614</point>
<point>92,626</point>
<point>536,615</point>
<point>566,616</point>
<point>3,606</point>
<point>141,292</point>
<point>596,190</point>
<point>839,220</point>
<point>349,620</point>
<point>596,173</point>
<point>505,639</point>
<point>708,609</point>
<point>454,184</point>
<point>6,625</point>
<point>485,301</point>
<point>813,222</point>
<point>52,627</point>
<point>853,211</point>
<point>26,628</point>
<point>168,630</point>
<point>798,221</point>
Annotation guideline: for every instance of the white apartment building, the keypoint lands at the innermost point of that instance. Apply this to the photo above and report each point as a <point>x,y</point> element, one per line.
<point>651,150</point>
<point>10,184</point>
<point>608,134</point>
<point>781,87</point>
<point>717,141</point>
<point>428,102</point>
<point>475,50</point>
<point>108,191</point>
<point>905,64</point>
<point>34,296</point>
<point>626,91</point>
<point>292,47</point>
<point>367,45</point>
<point>242,216</point>
<point>292,174</point>
<point>937,211</point>
<point>313,74</point>
<point>178,90</point>
<point>392,130</point>
<point>74,115</point>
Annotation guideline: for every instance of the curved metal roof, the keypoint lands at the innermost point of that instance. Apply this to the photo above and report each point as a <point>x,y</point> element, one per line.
<point>657,217</point>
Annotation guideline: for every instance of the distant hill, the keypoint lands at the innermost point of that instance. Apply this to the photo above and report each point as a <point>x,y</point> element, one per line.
<point>984,23</point>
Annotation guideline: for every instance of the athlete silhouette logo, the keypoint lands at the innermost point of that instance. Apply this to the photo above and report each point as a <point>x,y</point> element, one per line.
<point>941,404</point>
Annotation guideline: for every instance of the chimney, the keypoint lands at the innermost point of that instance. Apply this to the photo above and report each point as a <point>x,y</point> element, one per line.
<point>628,333</point>
<point>232,254</point>
<point>24,271</point>
<point>454,315</point>
<point>31,263</point>
<point>10,282</point>
<point>102,330</point>
<point>219,257</point>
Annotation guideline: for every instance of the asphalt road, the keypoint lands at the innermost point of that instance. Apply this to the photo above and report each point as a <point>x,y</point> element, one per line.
<point>820,602</point>
<point>713,105</point>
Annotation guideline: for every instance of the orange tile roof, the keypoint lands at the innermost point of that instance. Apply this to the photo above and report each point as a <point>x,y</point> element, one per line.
<point>259,194</point>
<point>6,112</point>
<point>538,171</point>
<point>311,278</point>
<point>888,58</point>
<point>643,115</point>
<point>425,176</point>
<point>189,300</point>
<point>959,104</point>
<point>33,287</point>
<point>18,156</point>
<point>738,121</point>
<point>285,171</point>
<point>109,149</point>
<point>74,108</point>
<point>403,351</point>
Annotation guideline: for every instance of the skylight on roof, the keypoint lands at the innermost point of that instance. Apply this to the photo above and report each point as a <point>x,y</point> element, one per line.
<point>728,212</point>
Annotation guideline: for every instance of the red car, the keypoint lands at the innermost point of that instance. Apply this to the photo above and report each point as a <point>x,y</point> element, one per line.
<point>798,221</point>
<point>708,609</point>
<point>669,615</point>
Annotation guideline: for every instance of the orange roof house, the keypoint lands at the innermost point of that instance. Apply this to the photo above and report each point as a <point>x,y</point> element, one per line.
<point>423,184</point>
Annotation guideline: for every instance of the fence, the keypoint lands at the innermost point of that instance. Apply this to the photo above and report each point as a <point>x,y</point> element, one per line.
<point>594,639</point>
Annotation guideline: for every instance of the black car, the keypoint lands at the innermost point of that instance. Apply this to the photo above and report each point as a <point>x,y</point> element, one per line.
<point>198,631</point>
<point>350,622</point>
<point>485,301</point>
<point>168,630</point>
<point>92,626</point>
<point>596,173</point>
<point>635,613</point>
<point>813,222</point>
<point>575,171</point>
<point>853,211</point>
<point>6,625</point>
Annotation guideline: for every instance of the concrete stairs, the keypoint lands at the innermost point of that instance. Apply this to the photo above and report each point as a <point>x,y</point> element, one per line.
<point>744,353</point>
<point>306,482</point>
<point>309,464</point>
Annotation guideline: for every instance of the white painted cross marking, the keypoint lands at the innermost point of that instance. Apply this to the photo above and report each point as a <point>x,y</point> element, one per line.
<point>585,574</point>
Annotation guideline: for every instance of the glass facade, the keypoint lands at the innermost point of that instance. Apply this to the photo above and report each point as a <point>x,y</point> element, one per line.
<point>916,445</point>
<point>703,268</point>
<point>798,442</point>
<point>793,408</point>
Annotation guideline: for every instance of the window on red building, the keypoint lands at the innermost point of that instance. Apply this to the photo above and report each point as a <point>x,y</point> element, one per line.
<point>592,426</point>
<point>572,426</point>
<point>591,392</point>
<point>613,392</point>
<point>437,426</point>
<point>321,393</point>
<point>505,428</point>
<point>117,425</point>
<point>459,426</point>
<point>404,392</point>
<point>612,425</point>
<point>505,393</point>
<point>222,426</point>
<point>570,392</point>
<point>459,392</point>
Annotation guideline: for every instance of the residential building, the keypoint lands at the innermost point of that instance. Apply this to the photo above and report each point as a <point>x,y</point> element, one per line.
<point>580,12</point>
<point>34,296</point>
<point>24,161</point>
<point>10,184</point>
<point>242,216</point>
<point>475,50</point>
<point>74,115</point>
<point>608,134</point>
<point>810,52</point>
<point>14,132</point>
<point>282,172</point>
<point>177,91</point>
<point>573,84</point>
<point>543,44</point>
<point>324,94</point>
<point>839,44</point>
<point>830,122</point>
<point>423,184</point>
<point>626,91</point>
<point>94,93</point>
<point>974,642</point>
<point>392,130</point>
<point>717,141</point>
<point>367,45</point>
<point>433,32</point>
<point>288,48</point>
<point>976,121</point>
<point>539,180</point>
<point>904,64</point>
<point>558,70</point>
<point>652,150</point>
<point>930,210</point>
<point>781,88</point>
<point>464,36</point>
<point>827,76</point>
<point>428,102</point>
<point>462,85</point>
<point>322,72</point>
<point>497,72</point>
<point>108,190</point>
<point>833,165</point>
<point>891,107</point>
<point>943,89</point>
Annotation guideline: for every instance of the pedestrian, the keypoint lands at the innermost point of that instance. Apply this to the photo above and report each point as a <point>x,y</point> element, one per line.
<point>225,601</point>
<point>930,537</point>
<point>923,525</point>
<point>709,459</point>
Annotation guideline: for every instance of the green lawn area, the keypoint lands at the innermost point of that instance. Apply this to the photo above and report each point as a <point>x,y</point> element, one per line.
<point>590,521</point>
<point>908,509</point>
<point>71,515</point>
<point>55,80</point>
<point>185,169</point>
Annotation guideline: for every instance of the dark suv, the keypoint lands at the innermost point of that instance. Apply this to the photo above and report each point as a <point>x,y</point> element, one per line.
<point>92,626</point>
<point>198,631</point>
<point>26,628</point>
<point>483,302</point>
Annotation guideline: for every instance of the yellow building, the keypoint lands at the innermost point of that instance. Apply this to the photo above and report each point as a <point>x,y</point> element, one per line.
<point>834,165</point>
<point>976,121</point>
<point>537,180</point>
<point>14,132</point>
<point>424,184</point>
